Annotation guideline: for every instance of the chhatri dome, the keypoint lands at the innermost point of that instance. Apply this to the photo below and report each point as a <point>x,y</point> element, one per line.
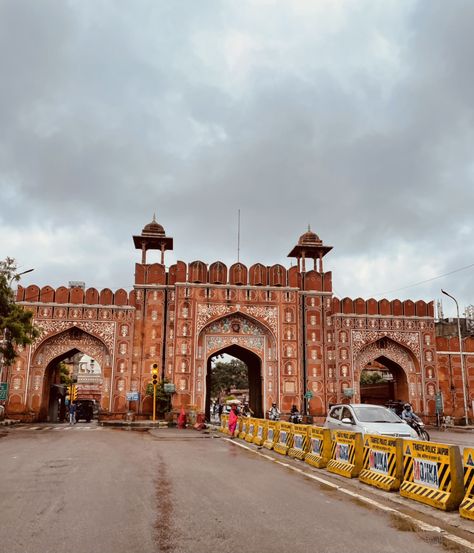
<point>153,228</point>
<point>309,238</point>
<point>310,246</point>
<point>153,237</point>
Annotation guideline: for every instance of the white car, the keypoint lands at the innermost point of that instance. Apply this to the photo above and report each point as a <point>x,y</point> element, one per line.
<point>368,419</point>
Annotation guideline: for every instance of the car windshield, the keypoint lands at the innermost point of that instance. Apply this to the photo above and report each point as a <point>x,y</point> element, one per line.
<point>373,413</point>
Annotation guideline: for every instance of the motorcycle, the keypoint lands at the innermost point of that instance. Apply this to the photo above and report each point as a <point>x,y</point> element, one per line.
<point>419,427</point>
<point>296,418</point>
<point>273,415</point>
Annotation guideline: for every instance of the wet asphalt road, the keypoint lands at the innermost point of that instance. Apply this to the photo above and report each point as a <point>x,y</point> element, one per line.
<point>90,490</point>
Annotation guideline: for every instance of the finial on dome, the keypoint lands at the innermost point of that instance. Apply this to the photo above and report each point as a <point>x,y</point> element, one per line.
<point>309,227</point>
<point>154,217</point>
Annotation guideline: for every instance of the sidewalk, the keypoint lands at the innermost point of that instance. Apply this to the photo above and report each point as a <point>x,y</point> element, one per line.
<point>8,422</point>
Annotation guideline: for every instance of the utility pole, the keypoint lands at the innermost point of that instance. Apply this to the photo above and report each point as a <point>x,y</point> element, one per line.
<point>463,372</point>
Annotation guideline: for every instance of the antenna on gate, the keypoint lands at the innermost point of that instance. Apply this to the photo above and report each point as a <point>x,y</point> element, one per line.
<point>238,236</point>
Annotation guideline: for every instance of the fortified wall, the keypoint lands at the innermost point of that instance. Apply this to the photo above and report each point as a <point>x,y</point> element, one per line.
<point>296,338</point>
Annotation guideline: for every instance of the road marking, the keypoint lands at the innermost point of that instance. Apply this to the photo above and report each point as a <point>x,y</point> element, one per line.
<point>419,523</point>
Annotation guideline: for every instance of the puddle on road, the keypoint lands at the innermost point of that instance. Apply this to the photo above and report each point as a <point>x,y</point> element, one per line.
<point>165,534</point>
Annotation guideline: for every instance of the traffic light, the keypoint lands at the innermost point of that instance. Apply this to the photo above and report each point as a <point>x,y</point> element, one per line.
<point>154,374</point>
<point>72,391</point>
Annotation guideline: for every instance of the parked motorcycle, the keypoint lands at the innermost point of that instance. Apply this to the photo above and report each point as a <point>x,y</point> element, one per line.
<point>296,418</point>
<point>274,415</point>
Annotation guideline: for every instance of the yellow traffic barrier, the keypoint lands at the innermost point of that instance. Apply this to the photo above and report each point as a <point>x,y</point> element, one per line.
<point>238,427</point>
<point>346,453</point>
<point>300,441</point>
<point>382,462</point>
<point>466,509</point>
<point>432,474</point>
<point>273,431</point>
<point>282,445</point>
<point>252,427</point>
<point>244,427</point>
<point>261,434</point>
<point>319,449</point>
<point>224,427</point>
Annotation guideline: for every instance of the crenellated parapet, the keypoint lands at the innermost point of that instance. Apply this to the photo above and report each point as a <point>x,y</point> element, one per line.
<point>238,274</point>
<point>76,296</point>
<point>383,307</point>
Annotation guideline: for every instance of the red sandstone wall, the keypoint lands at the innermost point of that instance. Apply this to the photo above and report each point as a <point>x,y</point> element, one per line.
<point>450,374</point>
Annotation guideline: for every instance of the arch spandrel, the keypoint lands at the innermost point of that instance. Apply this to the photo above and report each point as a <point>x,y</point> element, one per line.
<point>408,340</point>
<point>59,344</point>
<point>235,329</point>
<point>266,316</point>
<point>393,351</point>
<point>104,331</point>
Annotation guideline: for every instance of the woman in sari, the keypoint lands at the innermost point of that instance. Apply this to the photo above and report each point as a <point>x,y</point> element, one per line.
<point>232,420</point>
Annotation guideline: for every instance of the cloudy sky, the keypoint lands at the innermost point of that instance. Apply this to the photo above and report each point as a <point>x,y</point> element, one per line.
<point>353,116</point>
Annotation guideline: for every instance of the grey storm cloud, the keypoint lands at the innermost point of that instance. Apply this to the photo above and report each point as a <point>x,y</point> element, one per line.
<point>356,118</point>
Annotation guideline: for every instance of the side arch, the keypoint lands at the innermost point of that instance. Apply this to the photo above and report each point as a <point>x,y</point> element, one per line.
<point>57,347</point>
<point>401,362</point>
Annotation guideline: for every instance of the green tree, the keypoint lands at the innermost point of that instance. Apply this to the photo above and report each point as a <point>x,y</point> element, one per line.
<point>64,374</point>
<point>16,323</point>
<point>371,377</point>
<point>163,399</point>
<point>228,374</point>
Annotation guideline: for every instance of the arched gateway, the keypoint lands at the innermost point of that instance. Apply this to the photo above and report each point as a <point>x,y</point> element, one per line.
<point>250,341</point>
<point>303,345</point>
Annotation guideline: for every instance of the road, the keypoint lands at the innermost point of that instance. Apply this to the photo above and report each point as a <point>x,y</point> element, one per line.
<point>87,489</point>
<point>460,438</point>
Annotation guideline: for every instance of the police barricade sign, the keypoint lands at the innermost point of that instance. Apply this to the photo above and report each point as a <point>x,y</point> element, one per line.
<point>300,442</point>
<point>382,462</point>
<point>244,428</point>
<point>224,427</point>
<point>319,447</point>
<point>252,425</point>
<point>466,509</point>
<point>261,432</point>
<point>346,453</point>
<point>432,474</point>
<point>282,445</point>
<point>273,432</point>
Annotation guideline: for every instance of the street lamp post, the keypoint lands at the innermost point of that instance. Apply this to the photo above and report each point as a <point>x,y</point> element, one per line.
<point>18,275</point>
<point>463,372</point>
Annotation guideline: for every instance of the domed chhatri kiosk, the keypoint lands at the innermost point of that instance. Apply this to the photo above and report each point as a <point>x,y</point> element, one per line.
<point>302,345</point>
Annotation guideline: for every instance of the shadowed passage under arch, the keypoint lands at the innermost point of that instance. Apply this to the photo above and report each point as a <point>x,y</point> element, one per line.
<point>254,367</point>
<point>388,383</point>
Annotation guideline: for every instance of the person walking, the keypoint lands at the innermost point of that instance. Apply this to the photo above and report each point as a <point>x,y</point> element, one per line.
<point>72,412</point>
<point>233,420</point>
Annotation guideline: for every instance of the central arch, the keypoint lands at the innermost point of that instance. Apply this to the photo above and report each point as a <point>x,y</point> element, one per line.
<point>247,339</point>
<point>255,380</point>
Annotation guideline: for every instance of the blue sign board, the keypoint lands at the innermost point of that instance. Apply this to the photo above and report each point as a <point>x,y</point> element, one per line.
<point>133,396</point>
